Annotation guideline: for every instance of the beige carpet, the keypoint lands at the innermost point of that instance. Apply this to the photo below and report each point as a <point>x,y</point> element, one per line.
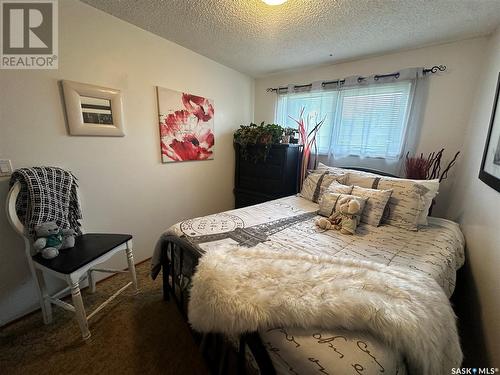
<point>135,334</point>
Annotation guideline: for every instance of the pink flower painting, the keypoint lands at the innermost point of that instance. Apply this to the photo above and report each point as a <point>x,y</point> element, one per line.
<point>186,126</point>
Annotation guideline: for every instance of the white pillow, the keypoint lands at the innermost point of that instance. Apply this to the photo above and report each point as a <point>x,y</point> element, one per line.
<point>406,203</point>
<point>433,186</point>
<point>410,201</point>
<point>328,204</point>
<point>339,172</point>
<point>335,187</point>
<point>311,188</point>
<point>376,201</point>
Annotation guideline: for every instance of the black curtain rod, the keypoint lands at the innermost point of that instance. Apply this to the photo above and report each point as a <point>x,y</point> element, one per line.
<point>434,69</point>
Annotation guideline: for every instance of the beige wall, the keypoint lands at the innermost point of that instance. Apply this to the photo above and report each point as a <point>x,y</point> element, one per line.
<point>476,207</point>
<point>449,96</point>
<point>124,187</point>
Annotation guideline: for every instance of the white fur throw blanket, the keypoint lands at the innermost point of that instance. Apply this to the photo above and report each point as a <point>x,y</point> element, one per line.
<point>237,290</point>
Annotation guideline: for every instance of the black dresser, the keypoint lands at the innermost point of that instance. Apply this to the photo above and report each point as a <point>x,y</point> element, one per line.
<point>266,180</point>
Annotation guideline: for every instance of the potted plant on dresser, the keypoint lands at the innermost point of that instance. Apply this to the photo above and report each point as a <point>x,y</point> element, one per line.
<point>266,169</point>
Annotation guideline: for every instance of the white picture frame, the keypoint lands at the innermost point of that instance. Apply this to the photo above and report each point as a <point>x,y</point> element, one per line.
<point>93,110</point>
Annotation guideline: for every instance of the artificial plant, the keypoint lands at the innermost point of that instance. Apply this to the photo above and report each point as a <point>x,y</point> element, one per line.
<point>307,137</point>
<point>429,167</point>
<point>262,136</point>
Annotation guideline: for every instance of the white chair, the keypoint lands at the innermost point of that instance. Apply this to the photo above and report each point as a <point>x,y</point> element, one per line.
<point>72,265</point>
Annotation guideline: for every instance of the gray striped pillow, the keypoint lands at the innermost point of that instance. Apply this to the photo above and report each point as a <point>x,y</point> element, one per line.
<point>328,204</point>
<point>406,202</point>
<point>311,188</point>
<point>376,201</point>
<point>335,187</point>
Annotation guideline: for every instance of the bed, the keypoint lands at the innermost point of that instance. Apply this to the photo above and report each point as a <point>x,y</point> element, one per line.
<point>287,225</point>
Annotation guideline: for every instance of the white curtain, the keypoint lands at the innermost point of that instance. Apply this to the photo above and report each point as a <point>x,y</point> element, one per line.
<point>370,122</point>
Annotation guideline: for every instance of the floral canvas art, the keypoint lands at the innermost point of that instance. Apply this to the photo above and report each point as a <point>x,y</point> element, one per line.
<point>186,126</point>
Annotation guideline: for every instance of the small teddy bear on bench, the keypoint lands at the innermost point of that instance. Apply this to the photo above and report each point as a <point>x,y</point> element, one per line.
<point>345,219</point>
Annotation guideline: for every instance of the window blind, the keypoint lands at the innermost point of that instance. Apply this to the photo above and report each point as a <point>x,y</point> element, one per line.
<point>365,121</point>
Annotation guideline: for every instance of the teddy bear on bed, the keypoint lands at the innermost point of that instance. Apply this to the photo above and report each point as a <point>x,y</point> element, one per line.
<point>345,219</point>
<point>49,239</point>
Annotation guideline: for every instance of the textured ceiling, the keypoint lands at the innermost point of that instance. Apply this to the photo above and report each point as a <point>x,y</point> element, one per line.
<point>259,39</point>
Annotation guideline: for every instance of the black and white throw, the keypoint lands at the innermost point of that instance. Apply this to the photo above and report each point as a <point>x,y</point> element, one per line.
<point>47,194</point>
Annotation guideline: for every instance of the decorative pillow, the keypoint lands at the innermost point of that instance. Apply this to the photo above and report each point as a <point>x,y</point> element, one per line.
<point>335,187</point>
<point>406,202</point>
<point>339,172</point>
<point>329,201</point>
<point>363,179</point>
<point>433,186</point>
<point>376,201</point>
<point>311,188</point>
<point>359,178</point>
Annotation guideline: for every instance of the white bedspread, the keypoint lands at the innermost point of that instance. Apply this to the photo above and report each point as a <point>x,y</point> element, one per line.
<point>436,250</point>
<point>284,225</point>
<point>338,352</point>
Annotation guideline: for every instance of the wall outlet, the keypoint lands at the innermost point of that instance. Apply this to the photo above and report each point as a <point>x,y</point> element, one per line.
<point>5,167</point>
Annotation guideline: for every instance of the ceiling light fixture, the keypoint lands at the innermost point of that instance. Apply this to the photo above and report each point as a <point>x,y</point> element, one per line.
<point>274,2</point>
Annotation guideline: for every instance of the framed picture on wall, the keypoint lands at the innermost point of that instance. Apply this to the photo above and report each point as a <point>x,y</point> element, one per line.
<point>186,126</point>
<point>93,110</point>
<point>490,166</point>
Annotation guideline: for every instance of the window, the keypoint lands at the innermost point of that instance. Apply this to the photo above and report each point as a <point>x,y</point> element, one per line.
<point>365,121</point>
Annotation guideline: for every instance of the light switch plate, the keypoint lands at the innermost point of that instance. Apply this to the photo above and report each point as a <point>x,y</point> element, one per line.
<point>5,167</point>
